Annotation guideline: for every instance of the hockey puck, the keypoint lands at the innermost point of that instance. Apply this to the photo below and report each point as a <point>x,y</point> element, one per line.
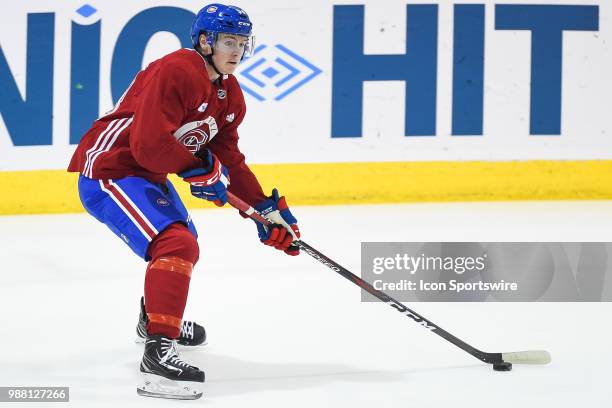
<point>502,366</point>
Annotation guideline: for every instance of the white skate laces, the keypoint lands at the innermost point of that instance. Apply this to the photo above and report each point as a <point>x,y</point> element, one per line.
<point>187,329</point>
<point>170,353</point>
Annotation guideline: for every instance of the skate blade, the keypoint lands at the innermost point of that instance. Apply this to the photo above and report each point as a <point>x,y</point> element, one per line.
<point>167,396</point>
<point>159,387</point>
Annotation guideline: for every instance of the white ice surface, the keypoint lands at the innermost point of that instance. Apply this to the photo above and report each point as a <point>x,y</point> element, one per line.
<point>288,332</point>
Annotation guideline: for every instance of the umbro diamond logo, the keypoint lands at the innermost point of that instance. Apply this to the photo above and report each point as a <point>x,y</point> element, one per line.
<point>203,107</point>
<point>274,72</point>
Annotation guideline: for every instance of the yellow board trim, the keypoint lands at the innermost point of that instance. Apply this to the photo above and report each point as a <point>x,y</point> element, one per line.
<point>55,191</point>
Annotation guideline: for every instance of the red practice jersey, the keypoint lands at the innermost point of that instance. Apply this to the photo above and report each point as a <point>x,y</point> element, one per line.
<point>170,110</point>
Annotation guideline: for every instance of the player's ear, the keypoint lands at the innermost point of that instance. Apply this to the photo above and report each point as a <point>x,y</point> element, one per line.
<point>204,45</point>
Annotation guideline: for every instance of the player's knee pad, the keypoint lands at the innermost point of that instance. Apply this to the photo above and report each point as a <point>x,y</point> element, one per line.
<point>176,240</point>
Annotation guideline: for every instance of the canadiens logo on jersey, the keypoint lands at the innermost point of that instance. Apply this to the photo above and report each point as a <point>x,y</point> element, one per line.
<point>163,202</point>
<point>195,135</point>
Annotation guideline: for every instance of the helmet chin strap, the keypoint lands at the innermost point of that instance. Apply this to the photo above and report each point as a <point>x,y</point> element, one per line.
<point>210,61</point>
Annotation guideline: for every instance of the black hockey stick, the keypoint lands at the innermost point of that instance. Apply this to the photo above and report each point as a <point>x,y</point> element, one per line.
<point>500,361</point>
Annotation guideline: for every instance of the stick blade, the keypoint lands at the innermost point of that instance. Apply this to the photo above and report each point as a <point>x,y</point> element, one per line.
<point>527,357</point>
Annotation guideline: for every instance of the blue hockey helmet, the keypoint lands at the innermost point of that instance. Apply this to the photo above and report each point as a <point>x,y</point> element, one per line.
<point>216,18</point>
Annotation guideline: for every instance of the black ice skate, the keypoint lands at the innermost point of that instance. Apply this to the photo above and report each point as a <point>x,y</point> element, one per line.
<point>165,375</point>
<point>192,334</point>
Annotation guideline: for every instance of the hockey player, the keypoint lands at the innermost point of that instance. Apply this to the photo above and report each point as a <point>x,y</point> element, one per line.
<point>180,115</point>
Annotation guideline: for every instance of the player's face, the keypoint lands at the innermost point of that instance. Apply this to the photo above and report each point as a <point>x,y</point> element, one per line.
<point>229,50</point>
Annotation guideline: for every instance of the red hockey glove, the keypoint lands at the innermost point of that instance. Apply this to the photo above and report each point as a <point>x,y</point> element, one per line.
<point>284,231</point>
<point>210,181</point>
